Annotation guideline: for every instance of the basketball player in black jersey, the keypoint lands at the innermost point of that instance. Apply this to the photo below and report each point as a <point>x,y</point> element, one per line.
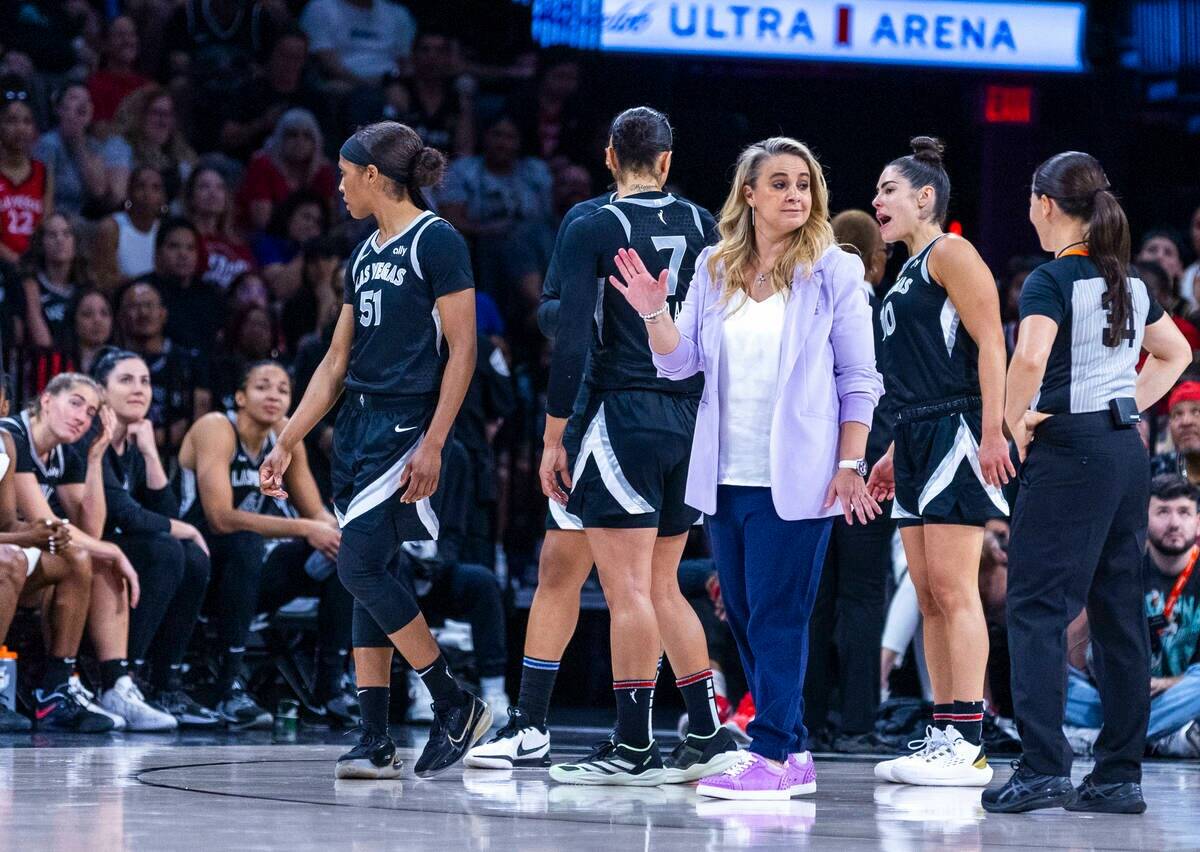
<point>943,362</point>
<point>404,348</point>
<point>628,476</point>
<point>260,546</point>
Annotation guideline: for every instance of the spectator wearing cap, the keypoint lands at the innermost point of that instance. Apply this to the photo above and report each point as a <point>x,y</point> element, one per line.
<point>1184,424</point>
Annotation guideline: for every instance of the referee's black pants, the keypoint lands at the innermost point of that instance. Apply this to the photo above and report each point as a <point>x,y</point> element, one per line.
<point>1078,535</point>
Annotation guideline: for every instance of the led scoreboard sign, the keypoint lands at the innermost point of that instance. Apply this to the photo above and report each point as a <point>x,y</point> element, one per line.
<point>1042,36</point>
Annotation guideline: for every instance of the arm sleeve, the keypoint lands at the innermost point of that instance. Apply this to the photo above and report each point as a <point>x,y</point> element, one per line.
<point>547,315</point>
<point>686,359</point>
<point>859,384</point>
<point>75,462</point>
<point>578,264</point>
<point>1043,296</point>
<point>447,266</point>
<point>125,513</point>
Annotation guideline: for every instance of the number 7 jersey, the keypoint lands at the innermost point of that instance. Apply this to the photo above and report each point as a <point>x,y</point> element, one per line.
<point>393,287</point>
<point>668,233</point>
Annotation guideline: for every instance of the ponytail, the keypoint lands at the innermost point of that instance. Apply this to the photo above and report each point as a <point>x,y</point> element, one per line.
<point>1108,246</point>
<point>1078,184</point>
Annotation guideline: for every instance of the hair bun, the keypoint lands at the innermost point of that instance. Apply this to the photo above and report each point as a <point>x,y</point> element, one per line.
<point>428,166</point>
<point>928,149</point>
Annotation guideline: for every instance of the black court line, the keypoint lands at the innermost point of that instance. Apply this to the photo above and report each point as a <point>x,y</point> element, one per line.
<point>695,824</point>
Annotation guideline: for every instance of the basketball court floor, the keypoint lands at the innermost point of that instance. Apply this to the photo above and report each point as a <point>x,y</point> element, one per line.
<point>246,793</point>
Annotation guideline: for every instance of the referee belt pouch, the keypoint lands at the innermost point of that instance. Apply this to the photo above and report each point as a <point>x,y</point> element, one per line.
<point>1124,412</point>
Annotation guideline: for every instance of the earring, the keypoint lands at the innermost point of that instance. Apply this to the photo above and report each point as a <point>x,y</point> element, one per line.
<point>751,217</point>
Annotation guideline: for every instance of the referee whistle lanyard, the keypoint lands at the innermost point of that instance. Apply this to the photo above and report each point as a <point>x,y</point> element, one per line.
<point>1180,582</point>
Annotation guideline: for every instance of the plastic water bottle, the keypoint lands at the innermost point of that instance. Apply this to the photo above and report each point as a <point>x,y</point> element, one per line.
<point>287,721</point>
<point>8,678</point>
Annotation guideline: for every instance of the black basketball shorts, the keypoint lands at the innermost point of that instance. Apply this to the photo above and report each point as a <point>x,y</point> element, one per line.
<point>373,440</point>
<point>631,464</point>
<point>938,478</point>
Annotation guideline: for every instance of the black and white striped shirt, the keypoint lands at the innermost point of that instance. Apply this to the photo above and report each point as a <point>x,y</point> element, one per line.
<point>1082,374</point>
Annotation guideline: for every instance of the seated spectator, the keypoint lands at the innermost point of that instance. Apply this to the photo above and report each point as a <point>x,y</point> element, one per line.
<point>249,337</point>
<point>123,248</point>
<point>73,155</point>
<point>169,555</point>
<point>1163,291</point>
<point>59,476</point>
<point>572,185</point>
<point>291,160</point>
<point>502,201</point>
<point>117,76</point>
<point>303,311</point>
<point>1173,610</point>
<point>249,288</point>
<point>279,251</point>
<point>53,273</point>
<point>265,551</point>
<point>449,589</point>
<point>217,40</point>
<point>246,121</point>
<point>148,135</point>
<point>47,33</point>
<point>435,101</point>
<point>26,187</point>
<point>1162,246</point>
<point>550,113</point>
<point>359,41</point>
<point>178,375</point>
<point>36,561</point>
<point>1191,275</point>
<point>195,308</point>
<point>1183,407</point>
<point>208,203</point>
<point>92,323</point>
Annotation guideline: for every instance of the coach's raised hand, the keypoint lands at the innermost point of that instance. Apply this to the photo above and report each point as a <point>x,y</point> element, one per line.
<point>645,293</point>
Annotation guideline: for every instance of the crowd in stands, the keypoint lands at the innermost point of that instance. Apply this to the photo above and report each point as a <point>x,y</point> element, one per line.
<point>172,252</point>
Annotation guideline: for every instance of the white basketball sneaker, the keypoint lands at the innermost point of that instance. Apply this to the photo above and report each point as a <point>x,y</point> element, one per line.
<point>127,701</point>
<point>934,739</point>
<point>957,763</point>
<point>519,743</point>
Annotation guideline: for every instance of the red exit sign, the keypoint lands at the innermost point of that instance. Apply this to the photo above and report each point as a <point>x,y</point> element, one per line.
<point>1008,105</point>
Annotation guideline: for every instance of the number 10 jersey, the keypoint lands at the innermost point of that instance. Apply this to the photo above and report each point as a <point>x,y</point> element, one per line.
<point>393,288</point>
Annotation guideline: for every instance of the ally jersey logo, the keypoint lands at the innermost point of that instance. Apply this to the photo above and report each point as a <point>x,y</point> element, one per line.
<point>971,33</point>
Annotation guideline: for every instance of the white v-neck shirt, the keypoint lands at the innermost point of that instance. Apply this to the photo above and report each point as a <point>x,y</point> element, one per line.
<point>751,342</point>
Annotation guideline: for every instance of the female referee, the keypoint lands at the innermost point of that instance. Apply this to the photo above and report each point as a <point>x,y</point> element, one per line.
<point>943,365</point>
<point>407,286</point>
<point>1079,528</point>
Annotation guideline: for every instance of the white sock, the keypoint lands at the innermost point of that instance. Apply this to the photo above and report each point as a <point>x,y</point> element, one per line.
<point>491,685</point>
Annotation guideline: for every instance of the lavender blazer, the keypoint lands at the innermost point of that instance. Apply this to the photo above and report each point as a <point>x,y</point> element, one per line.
<point>827,376</point>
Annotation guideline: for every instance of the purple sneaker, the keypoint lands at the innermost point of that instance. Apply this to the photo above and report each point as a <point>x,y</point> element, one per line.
<point>755,778</point>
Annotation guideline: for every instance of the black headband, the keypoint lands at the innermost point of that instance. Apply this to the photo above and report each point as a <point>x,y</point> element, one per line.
<point>356,152</point>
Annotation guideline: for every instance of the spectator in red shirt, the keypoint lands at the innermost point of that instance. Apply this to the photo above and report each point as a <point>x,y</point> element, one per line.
<point>116,77</point>
<point>223,254</point>
<point>290,161</point>
<point>26,188</point>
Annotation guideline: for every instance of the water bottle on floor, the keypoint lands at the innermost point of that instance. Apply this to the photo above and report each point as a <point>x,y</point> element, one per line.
<point>8,678</point>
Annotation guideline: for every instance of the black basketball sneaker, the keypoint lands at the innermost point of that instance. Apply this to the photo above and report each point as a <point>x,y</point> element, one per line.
<point>455,729</point>
<point>64,710</point>
<point>696,757</point>
<point>373,759</point>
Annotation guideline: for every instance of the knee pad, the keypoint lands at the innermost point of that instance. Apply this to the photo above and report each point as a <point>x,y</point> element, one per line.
<point>375,589</point>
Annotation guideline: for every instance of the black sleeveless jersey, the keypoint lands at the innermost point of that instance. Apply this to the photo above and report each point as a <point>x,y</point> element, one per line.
<point>243,479</point>
<point>668,233</point>
<point>926,356</point>
<point>394,287</point>
<point>66,465</point>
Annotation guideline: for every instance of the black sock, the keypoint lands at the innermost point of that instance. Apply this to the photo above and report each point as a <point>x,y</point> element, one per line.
<point>440,683</point>
<point>635,703</point>
<point>231,669</point>
<point>373,703</point>
<point>537,683</point>
<point>58,672</point>
<point>699,696</point>
<point>941,715</point>
<point>967,719</point>
<point>111,671</point>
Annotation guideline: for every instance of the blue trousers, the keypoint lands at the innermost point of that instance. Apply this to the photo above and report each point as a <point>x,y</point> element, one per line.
<point>770,570</point>
<point>1169,711</point>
